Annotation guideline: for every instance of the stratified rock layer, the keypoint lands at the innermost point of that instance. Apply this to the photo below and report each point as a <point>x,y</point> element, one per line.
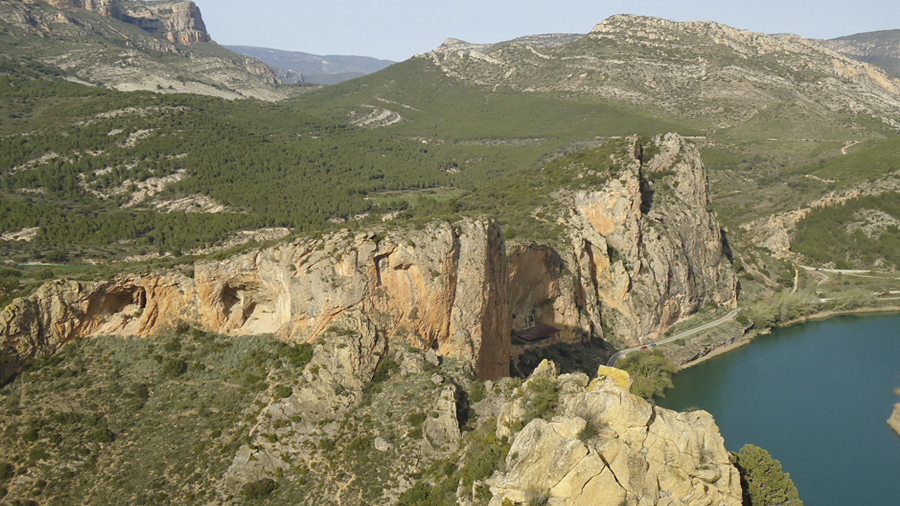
<point>609,447</point>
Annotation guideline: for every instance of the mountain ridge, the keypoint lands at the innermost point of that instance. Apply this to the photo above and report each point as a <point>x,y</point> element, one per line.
<point>317,69</point>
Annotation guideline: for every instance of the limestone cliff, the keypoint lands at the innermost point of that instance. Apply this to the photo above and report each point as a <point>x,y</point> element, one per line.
<point>444,288</point>
<point>642,251</point>
<point>609,447</point>
<point>175,21</point>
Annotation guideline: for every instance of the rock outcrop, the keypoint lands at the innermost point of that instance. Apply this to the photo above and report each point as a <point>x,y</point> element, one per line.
<point>609,447</point>
<point>894,420</point>
<point>175,21</point>
<point>643,251</point>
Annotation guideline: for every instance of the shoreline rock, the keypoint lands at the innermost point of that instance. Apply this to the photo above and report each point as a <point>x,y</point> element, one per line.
<point>894,420</point>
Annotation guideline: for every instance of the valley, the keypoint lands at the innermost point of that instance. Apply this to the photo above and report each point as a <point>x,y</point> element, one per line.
<point>218,288</point>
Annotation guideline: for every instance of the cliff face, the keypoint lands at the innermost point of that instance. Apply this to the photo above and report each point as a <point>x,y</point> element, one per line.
<point>171,20</point>
<point>444,288</point>
<point>644,250</point>
<point>174,21</point>
<point>641,252</point>
<point>609,447</point>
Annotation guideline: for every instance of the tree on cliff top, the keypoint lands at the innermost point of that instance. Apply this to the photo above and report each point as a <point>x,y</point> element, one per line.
<point>763,481</point>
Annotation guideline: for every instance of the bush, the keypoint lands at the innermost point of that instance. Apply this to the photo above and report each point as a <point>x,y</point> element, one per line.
<point>7,471</point>
<point>651,371</point>
<point>416,419</point>
<point>174,367</point>
<point>283,391</point>
<point>297,355</point>
<point>477,392</point>
<point>256,490</point>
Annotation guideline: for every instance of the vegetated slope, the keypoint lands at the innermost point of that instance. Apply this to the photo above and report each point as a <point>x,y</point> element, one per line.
<point>880,48</point>
<point>133,46</point>
<point>766,107</point>
<point>330,69</point>
<point>198,418</point>
<point>104,170</point>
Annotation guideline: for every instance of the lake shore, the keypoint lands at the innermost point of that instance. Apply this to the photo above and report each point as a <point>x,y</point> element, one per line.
<point>822,315</point>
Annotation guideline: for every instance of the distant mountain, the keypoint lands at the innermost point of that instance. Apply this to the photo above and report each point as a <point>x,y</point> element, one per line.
<point>297,67</point>
<point>130,45</point>
<point>880,48</point>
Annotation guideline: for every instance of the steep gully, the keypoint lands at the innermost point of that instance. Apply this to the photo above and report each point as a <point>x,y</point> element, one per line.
<point>625,266</point>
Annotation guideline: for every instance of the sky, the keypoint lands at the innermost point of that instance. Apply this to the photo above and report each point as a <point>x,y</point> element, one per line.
<point>398,29</point>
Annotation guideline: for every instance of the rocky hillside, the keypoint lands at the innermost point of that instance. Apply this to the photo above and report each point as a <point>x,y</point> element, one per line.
<point>297,67</point>
<point>702,70</point>
<point>132,45</point>
<point>641,251</point>
<point>878,48</point>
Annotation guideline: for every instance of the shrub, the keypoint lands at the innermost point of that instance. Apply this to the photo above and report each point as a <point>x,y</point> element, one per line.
<point>589,431</point>
<point>651,371</point>
<point>259,489</point>
<point>298,355</point>
<point>7,471</point>
<point>477,392</point>
<point>283,391</point>
<point>174,367</point>
<point>416,419</point>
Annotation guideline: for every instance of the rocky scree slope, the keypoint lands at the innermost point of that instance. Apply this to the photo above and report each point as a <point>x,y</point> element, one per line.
<point>132,45</point>
<point>695,69</point>
<point>640,252</point>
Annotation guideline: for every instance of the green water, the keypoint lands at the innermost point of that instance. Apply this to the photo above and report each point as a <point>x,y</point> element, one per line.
<point>817,397</point>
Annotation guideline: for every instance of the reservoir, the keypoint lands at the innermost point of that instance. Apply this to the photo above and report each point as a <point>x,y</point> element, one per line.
<point>816,396</point>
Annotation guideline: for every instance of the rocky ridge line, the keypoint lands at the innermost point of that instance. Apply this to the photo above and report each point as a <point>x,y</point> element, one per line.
<point>690,69</point>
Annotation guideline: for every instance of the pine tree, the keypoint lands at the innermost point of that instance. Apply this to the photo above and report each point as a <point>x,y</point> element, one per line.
<point>763,481</point>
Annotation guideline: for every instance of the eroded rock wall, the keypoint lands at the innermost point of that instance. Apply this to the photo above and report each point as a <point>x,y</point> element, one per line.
<point>444,287</point>
<point>642,251</point>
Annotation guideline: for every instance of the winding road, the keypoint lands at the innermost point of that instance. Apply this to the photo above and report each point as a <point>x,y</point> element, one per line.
<point>687,333</point>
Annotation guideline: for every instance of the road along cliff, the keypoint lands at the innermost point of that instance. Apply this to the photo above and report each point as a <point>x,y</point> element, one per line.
<point>638,253</point>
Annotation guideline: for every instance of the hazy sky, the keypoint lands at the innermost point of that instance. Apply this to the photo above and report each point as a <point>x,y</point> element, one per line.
<point>398,29</point>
